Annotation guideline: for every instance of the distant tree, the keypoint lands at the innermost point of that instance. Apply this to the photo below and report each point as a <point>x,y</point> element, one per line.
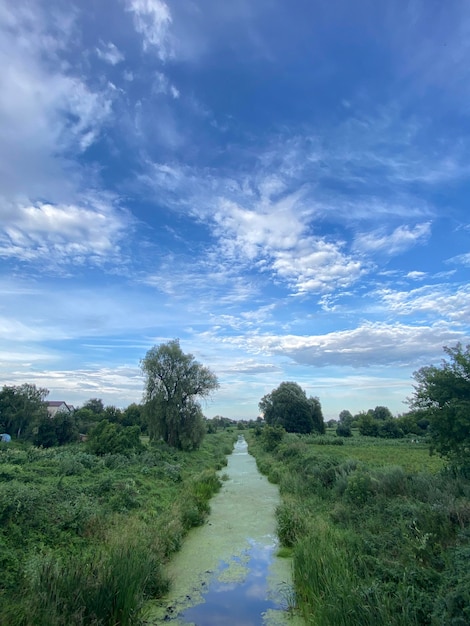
<point>389,429</point>
<point>86,419</point>
<point>332,423</point>
<point>21,408</point>
<point>288,406</point>
<point>112,414</point>
<point>413,422</point>
<point>45,435</point>
<point>444,394</point>
<point>95,405</point>
<point>133,415</point>
<point>66,427</point>
<point>173,383</point>
<point>346,417</point>
<point>368,425</point>
<point>382,413</point>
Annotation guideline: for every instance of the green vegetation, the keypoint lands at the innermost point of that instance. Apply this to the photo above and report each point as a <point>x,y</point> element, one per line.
<point>173,382</point>
<point>84,537</point>
<point>287,406</point>
<point>379,530</point>
<point>443,393</point>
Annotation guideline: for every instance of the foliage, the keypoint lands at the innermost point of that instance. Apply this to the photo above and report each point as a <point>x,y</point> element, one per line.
<point>272,437</point>
<point>173,382</point>
<point>444,393</point>
<point>109,438</point>
<point>21,407</point>
<point>368,425</point>
<point>343,430</point>
<point>289,407</point>
<point>95,405</point>
<point>84,539</point>
<point>372,543</point>
<point>56,431</point>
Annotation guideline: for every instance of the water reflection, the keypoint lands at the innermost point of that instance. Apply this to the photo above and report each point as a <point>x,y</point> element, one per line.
<point>237,603</point>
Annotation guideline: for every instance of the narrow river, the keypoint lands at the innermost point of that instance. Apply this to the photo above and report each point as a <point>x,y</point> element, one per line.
<point>226,573</point>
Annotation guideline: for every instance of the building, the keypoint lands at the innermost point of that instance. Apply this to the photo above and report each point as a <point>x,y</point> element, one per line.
<point>58,406</point>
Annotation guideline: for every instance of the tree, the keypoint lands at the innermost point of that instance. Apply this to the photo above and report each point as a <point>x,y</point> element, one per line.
<point>21,407</point>
<point>289,407</point>
<point>382,413</point>
<point>173,383</point>
<point>56,431</point>
<point>368,425</point>
<point>444,393</point>
<point>346,417</point>
<point>94,404</point>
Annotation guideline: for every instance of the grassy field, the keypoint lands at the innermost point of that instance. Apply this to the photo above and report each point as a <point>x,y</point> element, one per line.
<point>379,531</point>
<point>411,454</point>
<point>84,539</point>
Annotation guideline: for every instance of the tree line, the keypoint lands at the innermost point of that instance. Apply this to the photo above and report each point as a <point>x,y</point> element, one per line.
<point>175,383</point>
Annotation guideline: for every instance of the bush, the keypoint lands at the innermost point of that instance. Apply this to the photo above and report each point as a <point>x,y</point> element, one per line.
<point>109,438</point>
<point>343,430</point>
<point>272,437</point>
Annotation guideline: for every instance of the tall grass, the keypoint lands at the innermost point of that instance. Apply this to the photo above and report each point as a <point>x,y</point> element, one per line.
<point>105,588</point>
<point>372,544</point>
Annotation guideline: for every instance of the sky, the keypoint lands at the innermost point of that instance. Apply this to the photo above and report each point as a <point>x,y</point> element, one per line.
<point>282,186</point>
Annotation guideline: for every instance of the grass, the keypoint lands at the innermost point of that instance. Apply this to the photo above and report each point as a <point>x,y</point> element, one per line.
<point>85,539</point>
<point>377,530</point>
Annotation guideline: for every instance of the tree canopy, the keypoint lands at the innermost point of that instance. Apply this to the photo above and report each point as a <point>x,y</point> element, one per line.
<point>444,394</point>
<point>21,407</point>
<point>289,407</point>
<point>173,383</point>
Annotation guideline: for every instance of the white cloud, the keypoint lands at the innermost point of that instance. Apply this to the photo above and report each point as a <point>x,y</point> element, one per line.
<point>110,53</point>
<point>120,385</point>
<point>416,275</point>
<point>47,112</point>
<point>396,242</point>
<point>152,19</point>
<point>63,234</point>
<point>365,346</point>
<point>461,259</point>
<point>437,301</point>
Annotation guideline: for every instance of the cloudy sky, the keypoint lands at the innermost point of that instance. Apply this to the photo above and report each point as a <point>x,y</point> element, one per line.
<point>283,186</point>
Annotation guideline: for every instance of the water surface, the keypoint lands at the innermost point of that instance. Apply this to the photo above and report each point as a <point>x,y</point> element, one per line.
<point>226,572</point>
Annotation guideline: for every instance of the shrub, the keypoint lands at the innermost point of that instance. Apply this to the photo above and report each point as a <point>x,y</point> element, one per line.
<point>109,438</point>
<point>343,430</point>
<point>272,437</point>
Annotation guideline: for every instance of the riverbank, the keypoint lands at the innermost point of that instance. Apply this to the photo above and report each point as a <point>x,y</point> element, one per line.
<point>373,543</point>
<point>85,539</point>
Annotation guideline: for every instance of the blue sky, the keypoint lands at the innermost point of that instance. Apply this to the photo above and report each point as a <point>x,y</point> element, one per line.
<point>282,186</point>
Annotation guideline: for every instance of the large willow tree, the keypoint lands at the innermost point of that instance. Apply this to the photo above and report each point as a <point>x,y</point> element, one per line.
<point>174,382</point>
